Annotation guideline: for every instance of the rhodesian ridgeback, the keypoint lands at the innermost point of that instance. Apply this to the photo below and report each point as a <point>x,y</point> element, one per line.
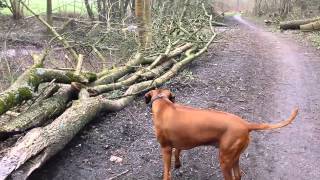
<point>182,127</point>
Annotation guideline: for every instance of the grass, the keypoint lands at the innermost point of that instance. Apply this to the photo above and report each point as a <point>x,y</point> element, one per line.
<point>58,6</point>
<point>315,38</point>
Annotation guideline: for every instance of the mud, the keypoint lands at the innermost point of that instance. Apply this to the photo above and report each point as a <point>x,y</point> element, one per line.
<point>256,74</point>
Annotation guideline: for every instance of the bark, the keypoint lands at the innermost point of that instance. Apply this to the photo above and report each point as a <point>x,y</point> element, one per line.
<point>119,72</point>
<point>27,83</point>
<point>89,10</point>
<point>311,26</point>
<point>295,24</point>
<point>99,10</point>
<point>144,61</point>
<point>49,14</point>
<point>144,73</point>
<point>62,76</point>
<point>122,8</point>
<point>147,23</point>
<point>16,9</point>
<point>40,112</point>
<point>22,89</point>
<point>140,23</point>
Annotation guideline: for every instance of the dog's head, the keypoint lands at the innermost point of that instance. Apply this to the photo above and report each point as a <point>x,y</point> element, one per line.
<point>159,92</point>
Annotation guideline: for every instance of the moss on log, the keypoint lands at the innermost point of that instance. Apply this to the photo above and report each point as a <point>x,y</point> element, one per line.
<point>10,98</point>
<point>40,112</point>
<point>22,89</point>
<point>27,83</point>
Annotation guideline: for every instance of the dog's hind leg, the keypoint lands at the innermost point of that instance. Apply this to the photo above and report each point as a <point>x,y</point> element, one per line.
<point>236,170</point>
<point>236,166</point>
<point>226,164</point>
<point>177,162</point>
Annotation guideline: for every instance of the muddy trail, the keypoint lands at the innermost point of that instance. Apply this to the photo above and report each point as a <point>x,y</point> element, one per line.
<point>254,73</point>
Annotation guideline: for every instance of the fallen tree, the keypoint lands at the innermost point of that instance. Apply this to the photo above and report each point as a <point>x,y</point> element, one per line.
<point>41,143</point>
<point>48,123</point>
<point>311,26</point>
<point>295,24</point>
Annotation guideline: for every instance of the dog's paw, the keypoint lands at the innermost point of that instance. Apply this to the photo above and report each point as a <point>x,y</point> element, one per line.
<point>177,165</point>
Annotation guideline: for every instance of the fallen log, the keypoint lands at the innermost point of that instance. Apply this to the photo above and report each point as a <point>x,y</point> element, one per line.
<point>156,72</point>
<point>146,73</point>
<point>39,144</point>
<point>112,76</point>
<point>22,89</point>
<point>27,83</point>
<point>295,24</point>
<point>311,26</point>
<point>40,112</point>
<point>62,76</point>
<point>219,24</point>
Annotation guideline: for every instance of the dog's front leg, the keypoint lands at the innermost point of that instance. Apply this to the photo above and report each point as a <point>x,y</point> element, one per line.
<point>166,156</point>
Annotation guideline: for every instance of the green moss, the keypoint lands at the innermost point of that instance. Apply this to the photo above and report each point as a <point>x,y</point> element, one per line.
<point>73,78</point>
<point>24,93</point>
<point>91,76</point>
<point>2,107</point>
<point>34,80</point>
<point>10,100</point>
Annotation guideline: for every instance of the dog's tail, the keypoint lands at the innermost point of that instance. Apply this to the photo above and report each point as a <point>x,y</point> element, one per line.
<point>257,127</point>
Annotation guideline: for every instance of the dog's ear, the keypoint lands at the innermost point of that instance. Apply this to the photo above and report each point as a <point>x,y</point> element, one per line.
<point>147,97</point>
<point>172,97</point>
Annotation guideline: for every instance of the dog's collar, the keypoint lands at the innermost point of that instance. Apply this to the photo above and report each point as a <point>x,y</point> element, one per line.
<point>159,96</point>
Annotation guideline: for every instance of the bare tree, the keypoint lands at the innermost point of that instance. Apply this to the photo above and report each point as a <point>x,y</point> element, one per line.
<point>16,9</point>
<point>49,13</point>
<point>89,10</point>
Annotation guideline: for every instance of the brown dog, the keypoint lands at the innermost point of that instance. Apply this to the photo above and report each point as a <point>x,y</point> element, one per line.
<point>183,127</point>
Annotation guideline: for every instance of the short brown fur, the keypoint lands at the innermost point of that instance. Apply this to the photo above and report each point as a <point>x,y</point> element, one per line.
<point>181,127</point>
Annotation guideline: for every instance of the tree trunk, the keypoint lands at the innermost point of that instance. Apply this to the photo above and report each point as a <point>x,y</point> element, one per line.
<point>49,14</point>
<point>295,24</point>
<point>114,76</point>
<point>99,8</point>
<point>140,23</point>
<point>89,10</point>
<point>147,23</point>
<point>311,26</point>
<point>16,9</point>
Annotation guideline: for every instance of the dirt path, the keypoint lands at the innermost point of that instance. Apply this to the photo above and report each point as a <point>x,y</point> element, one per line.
<point>256,74</point>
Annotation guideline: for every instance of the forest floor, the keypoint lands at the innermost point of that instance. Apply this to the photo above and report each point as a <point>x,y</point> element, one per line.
<point>255,73</point>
